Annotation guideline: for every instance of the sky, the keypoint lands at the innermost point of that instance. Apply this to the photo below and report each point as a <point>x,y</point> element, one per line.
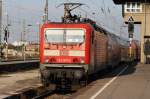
<point>26,12</point>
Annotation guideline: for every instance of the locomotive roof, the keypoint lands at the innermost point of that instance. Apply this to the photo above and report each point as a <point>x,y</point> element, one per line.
<point>85,21</point>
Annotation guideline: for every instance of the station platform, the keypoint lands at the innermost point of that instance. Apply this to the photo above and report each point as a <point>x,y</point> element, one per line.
<point>125,82</point>
<point>10,84</point>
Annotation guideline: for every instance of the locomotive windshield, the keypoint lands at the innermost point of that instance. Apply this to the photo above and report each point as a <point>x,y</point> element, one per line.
<point>64,35</point>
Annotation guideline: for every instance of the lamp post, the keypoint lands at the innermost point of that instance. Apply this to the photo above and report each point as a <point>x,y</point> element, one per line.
<point>24,39</point>
<point>38,35</point>
<point>6,36</point>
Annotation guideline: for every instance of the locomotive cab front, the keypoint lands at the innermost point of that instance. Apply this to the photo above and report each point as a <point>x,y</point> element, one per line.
<point>63,51</point>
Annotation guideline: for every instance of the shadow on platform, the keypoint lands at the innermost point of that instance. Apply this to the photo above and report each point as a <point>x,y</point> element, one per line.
<point>115,71</point>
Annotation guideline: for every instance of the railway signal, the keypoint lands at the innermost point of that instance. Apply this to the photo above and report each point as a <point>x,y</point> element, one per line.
<point>131,27</point>
<point>130,31</point>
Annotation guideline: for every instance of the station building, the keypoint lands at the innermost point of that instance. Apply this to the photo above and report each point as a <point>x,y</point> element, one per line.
<point>139,10</point>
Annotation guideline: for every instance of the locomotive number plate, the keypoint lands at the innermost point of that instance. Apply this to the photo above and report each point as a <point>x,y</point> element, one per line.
<point>64,53</point>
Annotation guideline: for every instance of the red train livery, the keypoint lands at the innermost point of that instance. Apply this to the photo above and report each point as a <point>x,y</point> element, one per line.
<point>75,50</point>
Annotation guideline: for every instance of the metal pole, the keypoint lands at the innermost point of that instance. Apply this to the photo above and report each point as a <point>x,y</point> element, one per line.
<point>24,40</point>
<point>6,57</point>
<point>46,12</point>
<point>39,26</point>
<point>0,30</point>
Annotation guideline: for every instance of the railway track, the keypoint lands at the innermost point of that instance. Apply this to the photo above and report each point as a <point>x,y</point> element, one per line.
<point>39,93</point>
<point>13,60</point>
<point>44,95</point>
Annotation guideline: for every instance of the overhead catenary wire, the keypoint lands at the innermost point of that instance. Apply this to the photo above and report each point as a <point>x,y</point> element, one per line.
<point>97,11</point>
<point>20,10</point>
<point>109,16</point>
<point>102,11</point>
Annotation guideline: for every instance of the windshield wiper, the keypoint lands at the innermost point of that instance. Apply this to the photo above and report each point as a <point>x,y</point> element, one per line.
<point>64,36</point>
<point>46,37</point>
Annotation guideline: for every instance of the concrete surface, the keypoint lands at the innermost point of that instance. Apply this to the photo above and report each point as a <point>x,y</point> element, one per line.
<point>133,83</point>
<point>11,83</point>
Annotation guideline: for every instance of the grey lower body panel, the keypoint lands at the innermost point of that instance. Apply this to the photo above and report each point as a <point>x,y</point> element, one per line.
<point>72,71</point>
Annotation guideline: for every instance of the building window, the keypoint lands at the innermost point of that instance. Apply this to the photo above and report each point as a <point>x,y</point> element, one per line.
<point>132,7</point>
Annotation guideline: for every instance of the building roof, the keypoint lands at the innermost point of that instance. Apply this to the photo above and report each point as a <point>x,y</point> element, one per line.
<point>124,1</point>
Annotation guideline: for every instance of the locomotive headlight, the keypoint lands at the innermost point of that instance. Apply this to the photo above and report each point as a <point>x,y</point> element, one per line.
<point>47,60</point>
<point>82,60</point>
